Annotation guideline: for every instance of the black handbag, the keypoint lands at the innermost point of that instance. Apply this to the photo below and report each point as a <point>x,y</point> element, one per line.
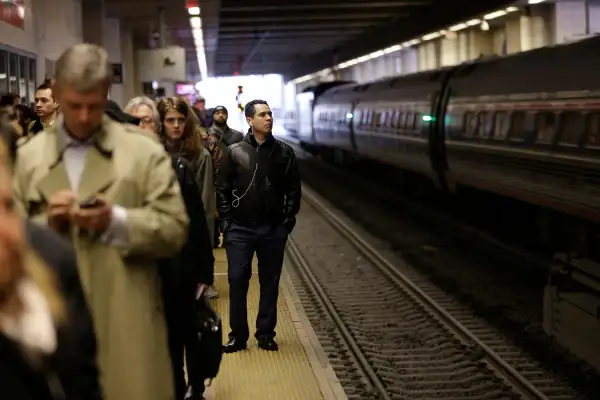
<point>209,337</point>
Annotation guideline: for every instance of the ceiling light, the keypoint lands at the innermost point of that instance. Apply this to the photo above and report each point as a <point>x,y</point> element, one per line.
<point>458,27</point>
<point>535,1</point>
<point>196,22</point>
<point>194,10</point>
<point>495,14</point>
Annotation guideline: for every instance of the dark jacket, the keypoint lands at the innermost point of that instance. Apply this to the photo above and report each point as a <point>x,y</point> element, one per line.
<point>195,263</point>
<point>226,134</point>
<point>259,184</point>
<point>74,362</point>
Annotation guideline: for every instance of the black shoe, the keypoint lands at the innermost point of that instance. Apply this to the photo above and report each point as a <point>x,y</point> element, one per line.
<point>268,344</point>
<point>234,345</point>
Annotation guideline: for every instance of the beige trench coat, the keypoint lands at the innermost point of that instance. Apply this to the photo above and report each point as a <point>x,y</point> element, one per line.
<point>122,284</point>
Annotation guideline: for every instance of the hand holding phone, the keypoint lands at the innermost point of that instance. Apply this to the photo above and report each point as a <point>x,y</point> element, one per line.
<point>90,202</point>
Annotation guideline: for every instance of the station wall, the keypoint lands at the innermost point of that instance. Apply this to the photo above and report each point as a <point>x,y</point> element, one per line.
<point>28,53</point>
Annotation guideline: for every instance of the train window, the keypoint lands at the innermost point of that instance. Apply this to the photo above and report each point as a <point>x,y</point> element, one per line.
<point>501,125</point>
<point>401,120</point>
<point>376,119</point>
<point>417,123</point>
<point>383,119</point>
<point>522,124</point>
<point>571,127</point>
<point>365,118</point>
<point>410,122</point>
<point>593,130</point>
<point>485,124</point>
<point>545,125</point>
<point>394,119</point>
<point>370,115</point>
<point>470,124</point>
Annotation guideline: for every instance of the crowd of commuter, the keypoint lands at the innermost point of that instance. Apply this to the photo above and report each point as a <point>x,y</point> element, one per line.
<point>108,221</point>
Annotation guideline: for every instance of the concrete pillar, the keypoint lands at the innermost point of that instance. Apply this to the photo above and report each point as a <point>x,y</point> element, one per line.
<point>410,60</point>
<point>463,46</point>
<point>131,85</point>
<point>112,44</point>
<point>428,54</point>
<point>480,43</point>
<point>449,51</point>
<point>92,15</point>
<point>499,41</point>
<point>513,36</point>
<point>570,19</point>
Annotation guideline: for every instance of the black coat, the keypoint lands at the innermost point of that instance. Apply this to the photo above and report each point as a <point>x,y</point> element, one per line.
<point>74,362</point>
<point>195,263</point>
<point>259,184</point>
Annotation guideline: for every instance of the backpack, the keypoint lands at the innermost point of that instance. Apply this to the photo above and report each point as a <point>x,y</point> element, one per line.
<point>209,338</point>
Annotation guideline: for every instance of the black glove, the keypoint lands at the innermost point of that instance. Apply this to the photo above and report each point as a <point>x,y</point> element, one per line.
<point>224,225</point>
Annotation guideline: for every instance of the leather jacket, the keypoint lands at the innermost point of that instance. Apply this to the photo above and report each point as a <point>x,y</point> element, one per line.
<point>259,184</point>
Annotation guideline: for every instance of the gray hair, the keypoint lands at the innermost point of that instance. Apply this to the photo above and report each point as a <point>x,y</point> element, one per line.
<point>84,66</point>
<point>136,102</point>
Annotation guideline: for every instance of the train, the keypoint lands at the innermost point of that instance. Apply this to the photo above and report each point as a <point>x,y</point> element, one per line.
<point>524,126</point>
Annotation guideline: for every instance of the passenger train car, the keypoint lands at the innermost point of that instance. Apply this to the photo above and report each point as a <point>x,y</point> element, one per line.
<point>525,126</point>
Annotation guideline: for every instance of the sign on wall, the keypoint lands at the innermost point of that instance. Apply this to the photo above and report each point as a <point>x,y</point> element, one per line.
<point>166,64</point>
<point>12,12</point>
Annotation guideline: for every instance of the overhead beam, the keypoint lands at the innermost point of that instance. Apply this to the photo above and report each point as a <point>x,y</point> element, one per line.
<point>282,7</point>
<point>303,27</point>
<point>318,33</point>
<point>291,18</point>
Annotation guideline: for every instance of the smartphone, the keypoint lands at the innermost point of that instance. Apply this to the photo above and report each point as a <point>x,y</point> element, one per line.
<point>89,203</point>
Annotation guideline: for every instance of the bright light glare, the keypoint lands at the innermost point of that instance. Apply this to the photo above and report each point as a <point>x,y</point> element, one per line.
<point>194,10</point>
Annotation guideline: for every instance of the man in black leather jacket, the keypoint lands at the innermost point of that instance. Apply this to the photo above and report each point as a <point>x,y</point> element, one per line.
<point>258,197</point>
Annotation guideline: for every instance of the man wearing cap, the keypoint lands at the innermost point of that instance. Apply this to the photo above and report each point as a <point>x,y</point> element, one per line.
<point>221,130</point>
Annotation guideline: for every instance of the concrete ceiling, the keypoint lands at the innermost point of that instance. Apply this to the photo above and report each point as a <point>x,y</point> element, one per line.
<point>291,37</point>
<point>297,37</point>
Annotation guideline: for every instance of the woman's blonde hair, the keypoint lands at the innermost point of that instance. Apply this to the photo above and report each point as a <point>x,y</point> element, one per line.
<point>191,142</point>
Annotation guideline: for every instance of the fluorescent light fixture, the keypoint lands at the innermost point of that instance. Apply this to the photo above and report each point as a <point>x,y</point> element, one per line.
<point>535,1</point>
<point>495,14</point>
<point>458,27</point>
<point>194,10</point>
<point>392,49</point>
<point>481,22</point>
<point>196,24</point>
<point>431,36</point>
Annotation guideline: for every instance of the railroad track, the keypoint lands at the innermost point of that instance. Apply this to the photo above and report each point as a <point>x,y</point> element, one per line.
<point>404,337</point>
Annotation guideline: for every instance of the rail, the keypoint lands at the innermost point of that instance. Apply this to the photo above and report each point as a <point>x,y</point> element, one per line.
<point>519,383</point>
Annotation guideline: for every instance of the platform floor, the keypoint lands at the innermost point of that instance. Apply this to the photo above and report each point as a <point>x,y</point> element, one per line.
<point>298,371</point>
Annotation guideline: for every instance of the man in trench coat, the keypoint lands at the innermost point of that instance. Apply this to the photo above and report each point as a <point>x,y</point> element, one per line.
<point>137,216</point>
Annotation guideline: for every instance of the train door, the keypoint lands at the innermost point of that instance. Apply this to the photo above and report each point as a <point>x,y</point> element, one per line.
<point>437,131</point>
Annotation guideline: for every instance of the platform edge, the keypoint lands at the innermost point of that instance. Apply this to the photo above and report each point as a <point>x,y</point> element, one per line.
<point>328,382</point>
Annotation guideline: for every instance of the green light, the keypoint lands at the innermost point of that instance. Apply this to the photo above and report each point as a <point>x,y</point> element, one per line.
<point>428,118</point>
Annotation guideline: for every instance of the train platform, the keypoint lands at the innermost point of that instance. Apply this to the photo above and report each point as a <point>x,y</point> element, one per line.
<point>298,371</point>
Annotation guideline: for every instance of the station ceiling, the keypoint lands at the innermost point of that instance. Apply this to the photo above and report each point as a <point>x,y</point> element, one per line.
<point>298,37</point>
<point>291,37</point>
